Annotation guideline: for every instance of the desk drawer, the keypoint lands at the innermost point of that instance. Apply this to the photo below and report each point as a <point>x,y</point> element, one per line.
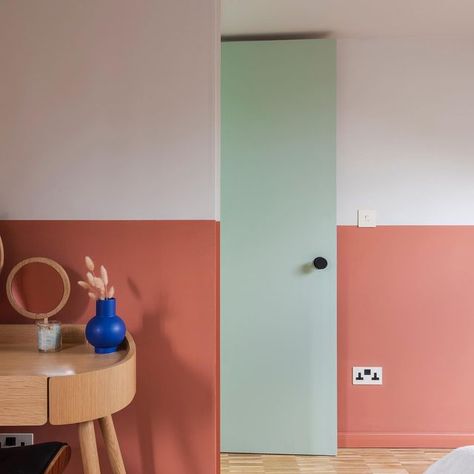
<point>23,400</point>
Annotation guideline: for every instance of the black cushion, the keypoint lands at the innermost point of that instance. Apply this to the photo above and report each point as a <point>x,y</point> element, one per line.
<point>33,459</point>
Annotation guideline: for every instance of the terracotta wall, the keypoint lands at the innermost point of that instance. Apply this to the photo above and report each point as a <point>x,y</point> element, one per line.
<point>166,281</point>
<point>405,303</point>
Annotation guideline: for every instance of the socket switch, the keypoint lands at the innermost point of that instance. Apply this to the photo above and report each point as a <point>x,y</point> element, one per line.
<point>367,376</point>
<point>12,440</point>
<point>366,218</point>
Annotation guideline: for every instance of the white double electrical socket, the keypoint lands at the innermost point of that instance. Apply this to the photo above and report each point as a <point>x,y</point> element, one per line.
<point>12,440</point>
<point>367,375</point>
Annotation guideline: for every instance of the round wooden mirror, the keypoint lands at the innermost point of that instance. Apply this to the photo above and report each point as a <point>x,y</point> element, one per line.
<point>38,288</point>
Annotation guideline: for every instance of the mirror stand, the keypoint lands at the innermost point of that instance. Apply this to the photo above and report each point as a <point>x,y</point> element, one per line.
<point>38,288</point>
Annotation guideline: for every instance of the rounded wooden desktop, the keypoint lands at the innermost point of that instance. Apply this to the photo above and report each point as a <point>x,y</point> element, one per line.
<point>74,385</point>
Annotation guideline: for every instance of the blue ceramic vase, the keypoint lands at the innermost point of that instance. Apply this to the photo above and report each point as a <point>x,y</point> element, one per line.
<point>105,331</point>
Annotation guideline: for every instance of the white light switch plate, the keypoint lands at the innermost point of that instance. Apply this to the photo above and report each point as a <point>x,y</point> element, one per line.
<point>366,218</point>
<point>367,375</point>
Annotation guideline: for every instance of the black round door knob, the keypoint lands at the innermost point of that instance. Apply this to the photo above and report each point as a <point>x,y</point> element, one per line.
<point>320,263</point>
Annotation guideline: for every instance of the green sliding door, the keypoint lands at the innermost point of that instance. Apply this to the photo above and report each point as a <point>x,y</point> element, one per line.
<point>278,213</point>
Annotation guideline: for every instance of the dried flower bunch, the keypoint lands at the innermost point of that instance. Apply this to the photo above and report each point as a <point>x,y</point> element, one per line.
<point>97,286</point>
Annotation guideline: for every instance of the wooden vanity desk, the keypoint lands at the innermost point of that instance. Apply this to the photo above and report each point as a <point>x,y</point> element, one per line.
<point>72,386</point>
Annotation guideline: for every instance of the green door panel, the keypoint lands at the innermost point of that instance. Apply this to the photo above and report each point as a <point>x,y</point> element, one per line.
<point>278,329</point>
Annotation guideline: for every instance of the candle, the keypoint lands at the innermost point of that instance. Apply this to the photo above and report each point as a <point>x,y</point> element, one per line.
<point>49,336</point>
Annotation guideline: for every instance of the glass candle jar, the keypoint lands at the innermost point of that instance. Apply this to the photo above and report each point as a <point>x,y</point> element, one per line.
<point>49,336</point>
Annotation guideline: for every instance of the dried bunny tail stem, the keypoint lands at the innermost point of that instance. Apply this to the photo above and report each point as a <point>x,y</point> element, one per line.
<point>104,275</point>
<point>92,296</point>
<point>111,292</point>
<point>84,285</point>
<point>90,278</point>
<point>89,264</point>
<point>105,278</point>
<point>99,283</point>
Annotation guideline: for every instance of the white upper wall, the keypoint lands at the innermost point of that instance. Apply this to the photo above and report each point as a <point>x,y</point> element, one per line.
<point>349,18</point>
<point>108,109</point>
<point>406,130</point>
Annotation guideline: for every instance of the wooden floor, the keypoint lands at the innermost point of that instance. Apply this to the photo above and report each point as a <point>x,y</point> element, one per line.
<point>348,461</point>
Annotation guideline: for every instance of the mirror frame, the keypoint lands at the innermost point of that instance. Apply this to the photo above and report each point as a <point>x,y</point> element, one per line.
<point>58,268</point>
<point>2,254</point>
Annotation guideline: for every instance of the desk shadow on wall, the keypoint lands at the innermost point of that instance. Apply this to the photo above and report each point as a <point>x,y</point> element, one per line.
<point>174,402</point>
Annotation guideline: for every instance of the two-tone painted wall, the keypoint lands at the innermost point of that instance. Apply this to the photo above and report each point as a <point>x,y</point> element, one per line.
<point>406,149</point>
<point>108,132</point>
<point>108,147</point>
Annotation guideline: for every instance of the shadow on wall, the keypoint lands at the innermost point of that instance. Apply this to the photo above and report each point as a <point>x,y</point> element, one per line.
<point>165,386</point>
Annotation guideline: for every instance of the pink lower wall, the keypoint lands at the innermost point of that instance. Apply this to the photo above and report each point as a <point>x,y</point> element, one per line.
<point>405,302</point>
<point>165,274</point>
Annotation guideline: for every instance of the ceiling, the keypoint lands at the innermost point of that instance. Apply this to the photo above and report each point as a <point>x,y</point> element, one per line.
<point>349,18</point>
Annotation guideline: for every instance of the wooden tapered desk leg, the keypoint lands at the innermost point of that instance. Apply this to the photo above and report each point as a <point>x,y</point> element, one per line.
<point>112,444</point>
<point>90,457</point>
